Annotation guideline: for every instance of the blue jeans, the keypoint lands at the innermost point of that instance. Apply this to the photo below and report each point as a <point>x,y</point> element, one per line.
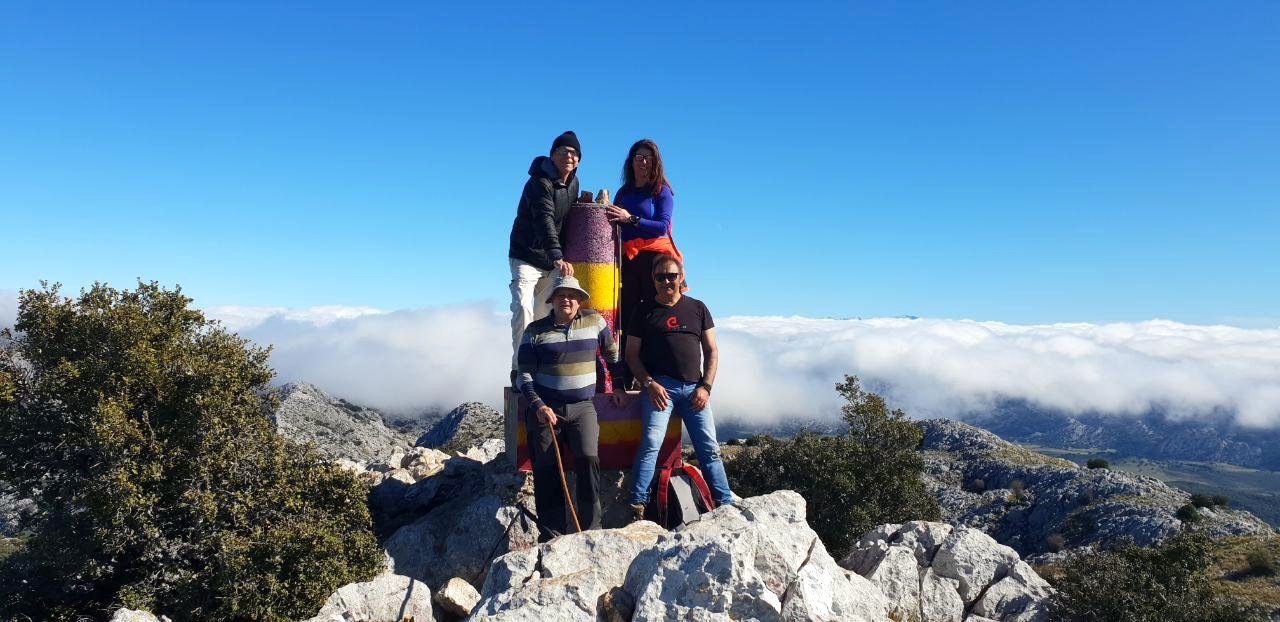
<point>702,431</point>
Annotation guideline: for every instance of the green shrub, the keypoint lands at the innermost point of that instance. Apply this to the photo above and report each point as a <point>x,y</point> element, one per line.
<point>1202,501</point>
<point>1260,562</point>
<point>1188,514</point>
<point>1169,583</point>
<point>137,425</point>
<point>1098,463</point>
<point>1055,542</point>
<point>851,483</point>
<point>1221,501</point>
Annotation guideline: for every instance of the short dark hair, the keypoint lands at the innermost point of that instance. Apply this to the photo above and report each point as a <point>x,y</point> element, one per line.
<point>662,260</point>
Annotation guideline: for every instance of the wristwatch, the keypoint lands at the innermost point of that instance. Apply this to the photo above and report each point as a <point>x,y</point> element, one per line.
<point>705,386</point>
<point>647,382</point>
<point>633,220</point>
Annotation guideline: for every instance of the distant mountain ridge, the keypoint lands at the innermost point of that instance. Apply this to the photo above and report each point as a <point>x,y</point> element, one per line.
<point>1153,435</point>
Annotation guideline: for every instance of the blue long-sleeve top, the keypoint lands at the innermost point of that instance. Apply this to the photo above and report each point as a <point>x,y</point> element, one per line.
<point>654,213</point>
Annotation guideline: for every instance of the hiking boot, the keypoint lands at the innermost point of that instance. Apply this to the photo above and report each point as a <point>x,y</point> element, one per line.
<point>637,512</point>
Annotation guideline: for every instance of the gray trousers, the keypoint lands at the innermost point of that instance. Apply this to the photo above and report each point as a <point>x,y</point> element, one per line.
<point>578,432</point>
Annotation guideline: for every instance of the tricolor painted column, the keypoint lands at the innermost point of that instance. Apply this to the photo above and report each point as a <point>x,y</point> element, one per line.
<point>589,244</point>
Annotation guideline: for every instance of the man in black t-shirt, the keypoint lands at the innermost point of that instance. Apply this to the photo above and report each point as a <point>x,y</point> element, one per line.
<point>671,350</point>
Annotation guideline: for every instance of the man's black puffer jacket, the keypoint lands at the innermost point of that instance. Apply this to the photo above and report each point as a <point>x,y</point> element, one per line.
<point>535,234</point>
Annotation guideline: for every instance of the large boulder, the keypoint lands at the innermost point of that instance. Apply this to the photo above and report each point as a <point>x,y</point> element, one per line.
<point>754,560</point>
<point>564,579</point>
<point>932,572</point>
<point>338,428</point>
<point>386,598</point>
<point>468,425</point>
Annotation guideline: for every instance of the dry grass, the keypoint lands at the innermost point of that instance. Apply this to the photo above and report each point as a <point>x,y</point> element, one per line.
<point>1230,556</point>
<point>1024,457</point>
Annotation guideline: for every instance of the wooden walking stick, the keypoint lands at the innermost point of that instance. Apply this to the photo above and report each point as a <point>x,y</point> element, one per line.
<point>563,483</point>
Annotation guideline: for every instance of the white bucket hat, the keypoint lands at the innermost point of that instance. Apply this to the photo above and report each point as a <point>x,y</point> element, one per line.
<point>568,282</point>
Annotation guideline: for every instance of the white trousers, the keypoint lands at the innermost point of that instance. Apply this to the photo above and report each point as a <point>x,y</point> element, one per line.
<point>530,287</point>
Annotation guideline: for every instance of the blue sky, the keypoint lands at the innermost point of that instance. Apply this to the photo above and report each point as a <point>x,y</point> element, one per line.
<point>1033,162</point>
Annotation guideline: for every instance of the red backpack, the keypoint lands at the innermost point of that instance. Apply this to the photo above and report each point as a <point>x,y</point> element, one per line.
<point>680,494</point>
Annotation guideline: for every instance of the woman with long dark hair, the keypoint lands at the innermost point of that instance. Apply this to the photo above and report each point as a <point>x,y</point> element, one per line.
<point>642,209</point>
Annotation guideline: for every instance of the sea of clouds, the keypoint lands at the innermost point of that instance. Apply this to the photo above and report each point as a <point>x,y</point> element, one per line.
<point>776,368</point>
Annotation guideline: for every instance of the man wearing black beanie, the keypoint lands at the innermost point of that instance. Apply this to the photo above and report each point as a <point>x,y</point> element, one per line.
<point>535,253</point>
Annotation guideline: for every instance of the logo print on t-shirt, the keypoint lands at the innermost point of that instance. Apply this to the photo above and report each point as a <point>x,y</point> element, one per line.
<point>672,323</point>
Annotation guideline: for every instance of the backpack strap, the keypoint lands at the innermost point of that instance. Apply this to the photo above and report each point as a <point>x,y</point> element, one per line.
<point>699,484</point>
<point>664,482</point>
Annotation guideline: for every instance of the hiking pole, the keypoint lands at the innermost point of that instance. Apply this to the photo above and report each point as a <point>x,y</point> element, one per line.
<point>563,483</point>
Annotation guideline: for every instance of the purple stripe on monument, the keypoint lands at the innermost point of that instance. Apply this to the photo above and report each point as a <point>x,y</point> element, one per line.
<point>588,235</point>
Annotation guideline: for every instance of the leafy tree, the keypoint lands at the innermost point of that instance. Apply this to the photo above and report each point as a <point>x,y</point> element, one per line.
<point>1188,514</point>
<point>851,483</point>
<point>1167,583</point>
<point>137,425</point>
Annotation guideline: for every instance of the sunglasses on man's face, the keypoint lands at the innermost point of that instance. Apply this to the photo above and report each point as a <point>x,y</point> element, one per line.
<point>666,277</point>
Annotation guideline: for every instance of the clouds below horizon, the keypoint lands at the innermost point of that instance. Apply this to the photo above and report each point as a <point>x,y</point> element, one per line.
<point>776,368</point>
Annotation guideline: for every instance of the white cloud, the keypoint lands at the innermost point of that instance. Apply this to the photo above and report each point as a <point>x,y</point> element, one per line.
<point>402,361</point>
<point>940,367</point>
<point>236,317</point>
<point>782,367</point>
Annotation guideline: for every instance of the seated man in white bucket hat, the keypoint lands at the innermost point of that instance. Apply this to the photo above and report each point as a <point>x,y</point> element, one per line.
<point>557,375</point>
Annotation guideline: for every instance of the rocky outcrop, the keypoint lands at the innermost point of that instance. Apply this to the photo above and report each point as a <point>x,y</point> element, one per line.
<point>1036,504</point>
<point>564,579</point>
<point>468,425</point>
<point>386,598</point>
<point>339,429</point>
<point>932,572</point>
<point>756,559</point>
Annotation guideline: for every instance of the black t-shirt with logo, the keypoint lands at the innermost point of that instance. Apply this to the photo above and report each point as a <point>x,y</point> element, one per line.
<point>671,337</point>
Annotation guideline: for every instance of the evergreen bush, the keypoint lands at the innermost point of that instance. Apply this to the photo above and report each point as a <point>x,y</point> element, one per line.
<point>852,482</point>
<point>138,426</point>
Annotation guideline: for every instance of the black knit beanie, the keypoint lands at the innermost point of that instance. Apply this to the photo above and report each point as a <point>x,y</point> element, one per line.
<point>567,139</point>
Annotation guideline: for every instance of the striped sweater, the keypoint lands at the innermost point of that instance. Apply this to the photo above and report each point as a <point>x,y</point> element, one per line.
<point>558,363</point>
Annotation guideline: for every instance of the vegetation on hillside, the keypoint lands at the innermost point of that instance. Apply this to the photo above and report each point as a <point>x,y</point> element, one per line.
<point>852,482</point>
<point>137,426</point>
<point>1172,582</point>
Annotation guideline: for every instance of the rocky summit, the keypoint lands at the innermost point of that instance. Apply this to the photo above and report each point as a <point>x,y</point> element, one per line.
<point>1037,504</point>
<point>466,426</point>
<point>461,536</point>
<point>338,428</point>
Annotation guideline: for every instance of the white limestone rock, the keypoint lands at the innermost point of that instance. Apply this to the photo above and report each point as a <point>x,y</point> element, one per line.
<point>457,597</point>
<point>754,560</point>
<point>898,577</point>
<point>387,598</point>
<point>1019,592</point>
<point>564,579</point>
<point>975,560</point>
<point>939,598</point>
